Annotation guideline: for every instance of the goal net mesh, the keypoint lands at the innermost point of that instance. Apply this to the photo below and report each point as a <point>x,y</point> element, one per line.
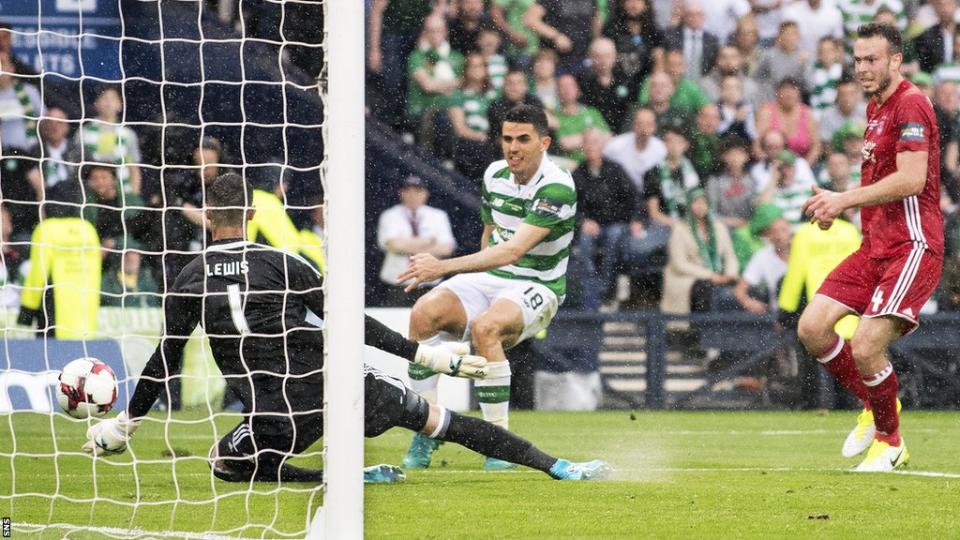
<point>150,96</point>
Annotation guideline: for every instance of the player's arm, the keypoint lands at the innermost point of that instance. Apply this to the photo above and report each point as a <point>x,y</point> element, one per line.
<point>181,315</point>
<point>452,361</point>
<point>552,209</point>
<point>425,268</point>
<point>908,180</point>
<point>31,299</point>
<point>485,236</point>
<point>375,28</point>
<point>486,216</point>
<point>304,279</point>
<point>499,17</point>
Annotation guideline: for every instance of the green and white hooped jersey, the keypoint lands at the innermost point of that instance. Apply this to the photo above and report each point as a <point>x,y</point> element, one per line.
<point>549,200</point>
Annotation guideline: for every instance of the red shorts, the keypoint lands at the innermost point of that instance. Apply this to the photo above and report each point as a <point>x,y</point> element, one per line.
<point>898,286</point>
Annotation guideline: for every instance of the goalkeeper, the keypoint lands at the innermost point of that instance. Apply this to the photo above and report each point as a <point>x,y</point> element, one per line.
<point>252,301</point>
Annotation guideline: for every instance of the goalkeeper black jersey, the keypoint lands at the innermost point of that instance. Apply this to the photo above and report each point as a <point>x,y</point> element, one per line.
<point>252,301</point>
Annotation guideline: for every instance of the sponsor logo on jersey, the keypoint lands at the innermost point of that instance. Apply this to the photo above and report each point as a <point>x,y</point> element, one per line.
<point>509,206</point>
<point>912,132</point>
<point>867,150</point>
<point>228,269</point>
<point>546,207</point>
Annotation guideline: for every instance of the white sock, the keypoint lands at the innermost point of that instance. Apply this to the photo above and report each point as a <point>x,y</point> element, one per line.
<point>421,380</point>
<point>493,393</point>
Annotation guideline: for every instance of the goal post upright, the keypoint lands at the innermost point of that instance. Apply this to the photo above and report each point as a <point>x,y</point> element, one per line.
<point>343,180</point>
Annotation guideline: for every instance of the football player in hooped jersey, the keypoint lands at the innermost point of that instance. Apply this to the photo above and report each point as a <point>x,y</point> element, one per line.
<point>511,289</point>
<point>898,265</point>
<point>252,301</point>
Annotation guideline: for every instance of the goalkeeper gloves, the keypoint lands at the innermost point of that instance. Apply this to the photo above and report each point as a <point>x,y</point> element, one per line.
<point>453,359</point>
<point>110,436</point>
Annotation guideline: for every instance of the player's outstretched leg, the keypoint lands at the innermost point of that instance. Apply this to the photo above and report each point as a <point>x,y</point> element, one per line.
<point>424,382</point>
<point>494,441</point>
<point>383,474</point>
<point>495,330</point>
<point>234,458</point>
<point>438,311</point>
<point>493,394</point>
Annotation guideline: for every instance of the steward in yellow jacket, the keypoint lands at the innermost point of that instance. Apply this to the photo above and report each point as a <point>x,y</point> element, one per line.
<point>273,225</point>
<point>62,289</point>
<point>814,253</point>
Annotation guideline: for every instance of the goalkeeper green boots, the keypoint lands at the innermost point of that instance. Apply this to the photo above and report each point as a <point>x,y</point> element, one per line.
<point>420,452</point>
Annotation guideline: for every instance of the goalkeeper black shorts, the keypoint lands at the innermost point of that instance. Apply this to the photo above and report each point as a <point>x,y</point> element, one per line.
<point>389,403</point>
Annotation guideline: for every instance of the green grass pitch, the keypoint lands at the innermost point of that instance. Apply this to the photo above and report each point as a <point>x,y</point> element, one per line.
<point>679,475</point>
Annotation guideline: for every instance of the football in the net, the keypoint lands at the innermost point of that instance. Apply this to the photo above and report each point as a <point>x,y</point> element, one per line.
<point>88,387</point>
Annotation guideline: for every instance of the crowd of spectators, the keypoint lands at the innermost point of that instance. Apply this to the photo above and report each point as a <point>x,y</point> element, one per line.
<point>85,211</point>
<point>655,105</point>
<point>694,130</point>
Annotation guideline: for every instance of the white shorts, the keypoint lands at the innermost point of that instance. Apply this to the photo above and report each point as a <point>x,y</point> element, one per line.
<point>478,291</point>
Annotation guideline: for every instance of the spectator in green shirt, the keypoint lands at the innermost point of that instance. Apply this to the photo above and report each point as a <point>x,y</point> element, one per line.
<point>508,16</point>
<point>488,45</point>
<point>131,285</point>
<point>661,90</point>
<point>705,141</point>
<point>543,82</point>
<point>573,120</point>
<point>115,215</point>
<point>393,30</point>
<point>468,116</point>
<point>434,71</point>
<point>687,96</point>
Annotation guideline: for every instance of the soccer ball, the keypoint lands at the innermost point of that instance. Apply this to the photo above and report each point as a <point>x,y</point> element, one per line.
<point>87,388</point>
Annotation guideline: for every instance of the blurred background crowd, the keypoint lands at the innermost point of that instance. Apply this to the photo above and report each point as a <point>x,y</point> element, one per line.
<point>694,130</point>
<point>102,181</point>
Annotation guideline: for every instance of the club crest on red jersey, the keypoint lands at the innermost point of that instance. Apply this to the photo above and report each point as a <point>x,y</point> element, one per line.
<point>867,151</point>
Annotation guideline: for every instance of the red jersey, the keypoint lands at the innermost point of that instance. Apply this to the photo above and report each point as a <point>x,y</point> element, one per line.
<point>905,122</point>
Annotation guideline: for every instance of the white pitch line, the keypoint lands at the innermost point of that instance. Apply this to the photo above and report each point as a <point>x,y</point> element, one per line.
<point>928,474</point>
<point>130,533</point>
<point>769,432</point>
<point>925,474</point>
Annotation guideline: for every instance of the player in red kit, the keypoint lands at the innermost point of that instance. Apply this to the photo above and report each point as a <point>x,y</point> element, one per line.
<point>898,265</point>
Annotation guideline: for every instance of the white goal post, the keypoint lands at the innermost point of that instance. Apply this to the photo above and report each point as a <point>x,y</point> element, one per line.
<point>341,516</point>
<point>85,50</point>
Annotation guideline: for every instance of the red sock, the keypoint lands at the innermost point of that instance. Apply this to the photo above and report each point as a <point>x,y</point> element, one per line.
<point>883,388</point>
<point>839,362</point>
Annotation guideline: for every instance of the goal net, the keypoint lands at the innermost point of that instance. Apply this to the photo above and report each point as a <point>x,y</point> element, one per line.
<point>135,103</point>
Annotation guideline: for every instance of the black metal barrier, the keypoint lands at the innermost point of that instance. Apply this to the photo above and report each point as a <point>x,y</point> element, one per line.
<point>928,359</point>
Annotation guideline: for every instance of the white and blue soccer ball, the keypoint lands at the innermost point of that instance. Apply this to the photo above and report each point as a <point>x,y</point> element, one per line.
<point>88,387</point>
